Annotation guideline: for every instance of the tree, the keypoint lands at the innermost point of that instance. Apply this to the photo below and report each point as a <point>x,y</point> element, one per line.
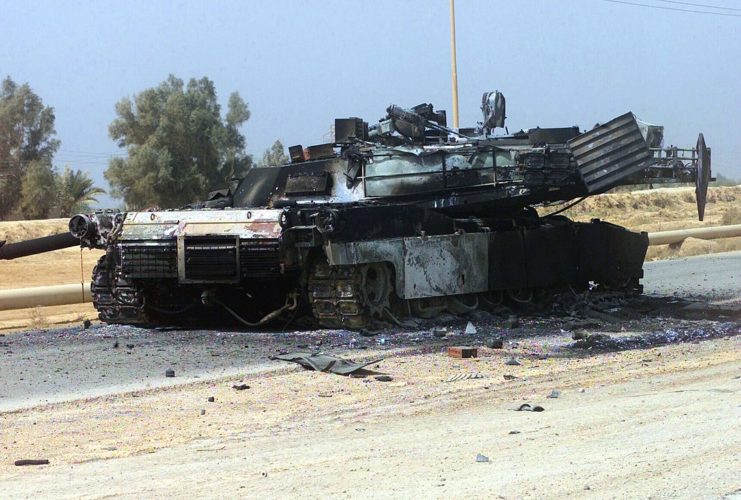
<point>38,191</point>
<point>27,135</point>
<point>75,191</point>
<point>179,147</point>
<point>274,156</point>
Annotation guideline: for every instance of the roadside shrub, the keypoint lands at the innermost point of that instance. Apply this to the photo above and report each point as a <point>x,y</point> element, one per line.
<point>731,216</point>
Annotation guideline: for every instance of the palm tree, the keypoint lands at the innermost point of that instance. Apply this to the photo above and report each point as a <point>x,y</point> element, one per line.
<point>76,191</point>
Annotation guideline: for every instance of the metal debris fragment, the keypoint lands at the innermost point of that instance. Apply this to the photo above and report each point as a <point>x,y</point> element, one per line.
<point>21,463</point>
<point>465,376</point>
<point>495,343</point>
<point>529,407</point>
<point>324,362</point>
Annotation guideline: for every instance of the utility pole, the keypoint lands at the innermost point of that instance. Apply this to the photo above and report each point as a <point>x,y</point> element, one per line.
<point>454,69</point>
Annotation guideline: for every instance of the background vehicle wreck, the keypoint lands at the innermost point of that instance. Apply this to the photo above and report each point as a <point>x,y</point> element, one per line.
<point>402,218</point>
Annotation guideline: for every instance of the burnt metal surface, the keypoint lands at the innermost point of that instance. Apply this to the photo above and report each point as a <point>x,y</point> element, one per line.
<point>702,176</point>
<point>35,246</point>
<point>609,153</point>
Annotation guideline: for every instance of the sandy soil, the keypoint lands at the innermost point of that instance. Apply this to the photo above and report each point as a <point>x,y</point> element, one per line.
<point>657,422</point>
<point>61,267</point>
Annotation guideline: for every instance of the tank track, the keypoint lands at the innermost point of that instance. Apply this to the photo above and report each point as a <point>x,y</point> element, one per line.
<point>119,307</point>
<point>335,296</point>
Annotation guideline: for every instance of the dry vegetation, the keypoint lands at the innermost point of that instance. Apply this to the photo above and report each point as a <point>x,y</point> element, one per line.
<point>666,209</point>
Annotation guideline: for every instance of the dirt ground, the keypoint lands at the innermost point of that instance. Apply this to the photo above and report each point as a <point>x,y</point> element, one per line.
<point>657,422</point>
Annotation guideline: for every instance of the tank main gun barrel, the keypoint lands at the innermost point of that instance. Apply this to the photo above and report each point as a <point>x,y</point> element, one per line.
<point>38,245</point>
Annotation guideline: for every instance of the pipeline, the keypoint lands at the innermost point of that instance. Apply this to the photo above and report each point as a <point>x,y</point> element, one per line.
<point>56,295</point>
<point>702,233</point>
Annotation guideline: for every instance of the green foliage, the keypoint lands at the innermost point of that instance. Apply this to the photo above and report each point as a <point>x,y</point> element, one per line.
<point>275,156</point>
<point>39,189</point>
<point>26,138</point>
<point>722,180</point>
<point>179,147</point>
<point>75,191</point>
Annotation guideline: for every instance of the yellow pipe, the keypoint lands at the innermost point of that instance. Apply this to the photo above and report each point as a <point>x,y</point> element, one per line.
<point>56,295</point>
<point>454,73</point>
<point>702,233</point>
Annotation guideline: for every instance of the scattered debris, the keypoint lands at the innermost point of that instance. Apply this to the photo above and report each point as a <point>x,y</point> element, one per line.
<point>203,412</point>
<point>470,329</point>
<point>512,362</point>
<point>495,343</point>
<point>512,322</point>
<point>554,394</point>
<point>324,362</point>
<point>169,373</point>
<point>514,432</point>
<point>384,378</point>
<point>465,376</point>
<point>211,399</point>
<point>662,337</point>
<point>129,346</point>
<point>507,376</point>
<point>87,324</point>
<point>577,324</point>
<point>528,407</point>
<point>481,458</point>
<point>462,352</point>
<point>240,387</point>
<point>21,463</point>
<point>115,344</point>
<point>596,314</point>
<point>439,332</point>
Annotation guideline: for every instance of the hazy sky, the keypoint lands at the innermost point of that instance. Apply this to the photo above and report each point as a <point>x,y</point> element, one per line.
<point>300,64</point>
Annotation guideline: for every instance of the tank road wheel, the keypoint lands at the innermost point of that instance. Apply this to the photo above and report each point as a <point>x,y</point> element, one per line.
<point>521,295</point>
<point>334,294</point>
<point>349,296</point>
<point>428,308</point>
<point>462,304</point>
<point>377,287</point>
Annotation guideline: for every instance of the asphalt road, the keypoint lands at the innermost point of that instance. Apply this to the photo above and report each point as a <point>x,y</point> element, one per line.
<point>715,276</point>
<point>68,363</point>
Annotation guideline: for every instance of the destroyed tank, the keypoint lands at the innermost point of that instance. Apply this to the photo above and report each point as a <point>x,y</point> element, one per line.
<point>400,219</point>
